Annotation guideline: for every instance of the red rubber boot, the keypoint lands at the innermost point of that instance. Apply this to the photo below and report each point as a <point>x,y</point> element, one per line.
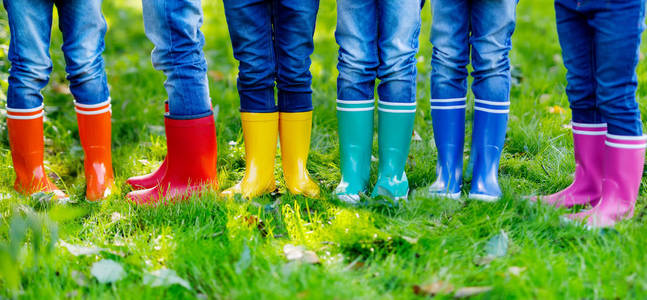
<point>191,162</point>
<point>152,179</point>
<point>95,131</point>
<point>27,149</point>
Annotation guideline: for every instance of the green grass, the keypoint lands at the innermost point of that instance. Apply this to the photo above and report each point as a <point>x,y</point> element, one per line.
<point>366,252</point>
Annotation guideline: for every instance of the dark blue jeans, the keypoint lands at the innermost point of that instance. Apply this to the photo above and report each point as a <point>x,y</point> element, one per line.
<point>600,42</point>
<point>273,41</point>
<point>174,28</point>
<point>83,28</point>
<point>485,27</point>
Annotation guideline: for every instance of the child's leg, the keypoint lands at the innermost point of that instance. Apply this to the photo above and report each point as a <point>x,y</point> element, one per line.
<point>84,28</point>
<point>294,25</point>
<point>174,28</point>
<point>30,24</point>
<point>358,60</point>
<point>492,24</point>
<point>576,40</point>
<point>618,27</point>
<point>398,30</point>
<point>250,28</point>
<point>450,38</point>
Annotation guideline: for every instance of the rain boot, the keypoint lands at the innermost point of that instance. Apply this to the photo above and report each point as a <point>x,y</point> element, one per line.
<point>488,136</point>
<point>395,127</point>
<point>294,130</point>
<point>191,161</point>
<point>25,128</point>
<point>588,147</point>
<point>355,128</point>
<point>448,116</point>
<point>623,162</point>
<point>260,132</point>
<point>152,179</point>
<point>95,131</point>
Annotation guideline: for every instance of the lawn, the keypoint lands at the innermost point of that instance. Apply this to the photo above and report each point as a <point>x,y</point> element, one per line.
<point>228,249</point>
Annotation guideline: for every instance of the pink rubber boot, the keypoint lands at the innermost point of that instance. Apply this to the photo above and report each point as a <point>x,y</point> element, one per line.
<point>588,145</point>
<point>624,158</point>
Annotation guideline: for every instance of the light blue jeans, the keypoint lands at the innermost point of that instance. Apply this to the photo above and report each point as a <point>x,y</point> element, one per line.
<point>484,25</point>
<point>377,40</point>
<point>174,28</point>
<point>83,28</point>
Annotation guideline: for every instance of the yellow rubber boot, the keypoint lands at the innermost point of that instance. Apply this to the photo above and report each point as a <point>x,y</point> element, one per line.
<point>295,131</point>
<point>260,131</point>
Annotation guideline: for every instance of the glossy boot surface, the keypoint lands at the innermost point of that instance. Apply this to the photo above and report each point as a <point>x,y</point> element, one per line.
<point>624,159</point>
<point>26,140</point>
<point>95,131</point>
<point>395,127</point>
<point>488,136</point>
<point>152,179</point>
<point>260,132</point>
<point>588,144</point>
<point>294,130</point>
<point>355,129</point>
<point>448,116</point>
<point>191,162</point>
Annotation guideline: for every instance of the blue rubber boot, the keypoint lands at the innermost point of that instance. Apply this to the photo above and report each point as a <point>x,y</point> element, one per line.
<point>395,127</point>
<point>448,116</point>
<point>488,136</point>
<point>355,129</point>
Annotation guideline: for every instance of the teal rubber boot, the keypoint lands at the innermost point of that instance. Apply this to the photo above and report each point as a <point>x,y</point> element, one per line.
<point>355,128</point>
<point>395,127</point>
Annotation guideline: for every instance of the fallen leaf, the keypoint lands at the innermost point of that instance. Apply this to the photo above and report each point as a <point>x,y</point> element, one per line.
<point>556,109</point>
<point>436,288</point>
<point>466,292</point>
<point>79,278</point>
<point>516,271</point>
<point>216,75</point>
<point>107,271</point>
<point>77,250</point>
<point>497,246</point>
<point>116,217</point>
<point>483,260</point>
<point>61,88</point>
<point>143,161</point>
<point>416,137</point>
<point>164,277</point>
<point>299,253</point>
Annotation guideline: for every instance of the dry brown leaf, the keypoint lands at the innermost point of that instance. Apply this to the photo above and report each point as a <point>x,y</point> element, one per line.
<point>216,75</point>
<point>466,292</point>
<point>436,288</point>
<point>61,88</point>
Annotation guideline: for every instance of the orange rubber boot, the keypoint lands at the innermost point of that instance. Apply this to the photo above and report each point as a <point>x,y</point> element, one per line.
<point>95,132</point>
<point>152,179</point>
<point>27,147</point>
<point>191,162</point>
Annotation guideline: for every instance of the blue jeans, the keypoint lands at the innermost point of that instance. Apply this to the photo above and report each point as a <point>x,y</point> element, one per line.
<point>487,27</point>
<point>377,39</point>
<point>600,44</point>
<point>174,28</point>
<point>83,28</point>
<point>273,41</point>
